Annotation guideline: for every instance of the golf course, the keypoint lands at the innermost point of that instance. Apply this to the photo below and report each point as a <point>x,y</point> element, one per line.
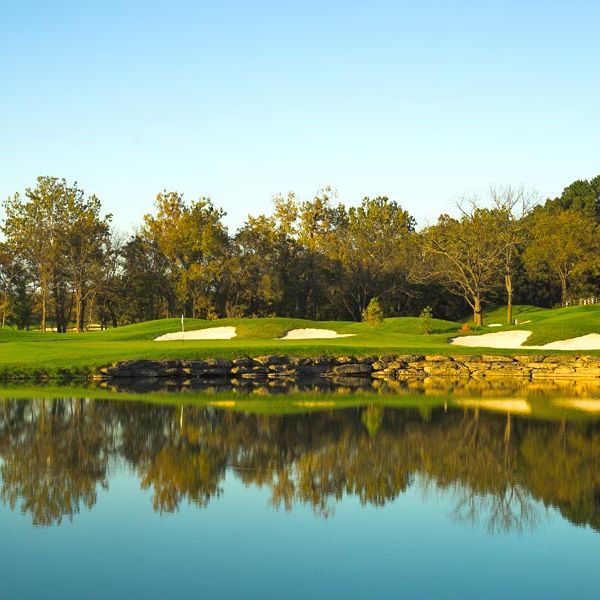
<point>30,352</point>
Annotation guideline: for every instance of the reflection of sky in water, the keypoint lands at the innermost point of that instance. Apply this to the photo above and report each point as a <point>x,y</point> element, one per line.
<point>430,541</point>
<point>239,547</point>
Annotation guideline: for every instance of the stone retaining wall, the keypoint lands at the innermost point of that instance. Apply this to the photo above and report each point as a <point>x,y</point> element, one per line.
<point>478,367</point>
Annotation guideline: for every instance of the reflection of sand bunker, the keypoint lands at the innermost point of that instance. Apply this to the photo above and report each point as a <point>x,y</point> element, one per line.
<point>589,406</point>
<point>223,403</point>
<point>315,404</point>
<point>516,339</point>
<point>211,333</point>
<point>517,406</point>
<point>313,334</point>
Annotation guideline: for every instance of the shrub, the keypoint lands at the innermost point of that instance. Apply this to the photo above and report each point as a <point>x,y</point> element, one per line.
<point>426,320</point>
<point>373,314</point>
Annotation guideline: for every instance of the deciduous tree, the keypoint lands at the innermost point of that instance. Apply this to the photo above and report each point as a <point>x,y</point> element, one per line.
<point>565,242</point>
<point>464,255</point>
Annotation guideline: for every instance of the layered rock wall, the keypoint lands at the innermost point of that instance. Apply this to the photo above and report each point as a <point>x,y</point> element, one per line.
<point>478,367</point>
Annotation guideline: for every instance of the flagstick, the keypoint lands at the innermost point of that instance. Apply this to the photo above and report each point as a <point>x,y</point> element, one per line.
<point>182,331</point>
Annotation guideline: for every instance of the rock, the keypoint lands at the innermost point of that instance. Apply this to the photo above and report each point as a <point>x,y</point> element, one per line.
<point>120,372</point>
<point>416,365</point>
<point>344,360</point>
<point>144,372</point>
<point>397,364</point>
<point>541,366</point>
<point>239,370</point>
<point>352,369</point>
<point>438,358</point>
<point>280,368</point>
<point>529,358</point>
<point>271,360</point>
<point>387,358</point>
<point>243,361</point>
<point>367,360</point>
<point>218,363</point>
<point>446,370</point>
<point>410,358</point>
<point>193,364</point>
<point>174,372</point>
<point>477,366</point>
<point>508,372</point>
<point>214,372</point>
<point>464,358</point>
<point>496,358</point>
<point>312,370</point>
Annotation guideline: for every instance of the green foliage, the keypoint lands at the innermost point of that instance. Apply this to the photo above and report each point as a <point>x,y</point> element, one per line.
<point>426,320</point>
<point>192,243</point>
<point>566,243</point>
<point>464,255</point>
<point>373,314</point>
<point>314,258</point>
<point>582,196</point>
<point>59,236</point>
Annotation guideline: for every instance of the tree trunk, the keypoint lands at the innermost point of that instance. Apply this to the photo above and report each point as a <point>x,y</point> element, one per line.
<point>563,290</point>
<point>43,310</point>
<point>4,308</point>
<point>77,312</point>
<point>113,315</point>
<point>477,312</point>
<point>509,300</point>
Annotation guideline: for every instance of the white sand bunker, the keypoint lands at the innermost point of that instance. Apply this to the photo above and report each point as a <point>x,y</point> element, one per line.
<point>210,333</point>
<point>516,339</point>
<point>313,334</point>
<point>591,341</point>
<point>499,339</point>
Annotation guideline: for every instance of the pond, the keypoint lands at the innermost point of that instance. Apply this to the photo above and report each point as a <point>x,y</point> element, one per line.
<point>308,493</point>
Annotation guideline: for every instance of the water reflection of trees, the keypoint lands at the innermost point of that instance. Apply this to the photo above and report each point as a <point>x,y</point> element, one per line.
<point>56,454</point>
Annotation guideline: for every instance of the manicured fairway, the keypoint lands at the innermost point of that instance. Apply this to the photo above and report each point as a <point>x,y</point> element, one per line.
<point>33,351</point>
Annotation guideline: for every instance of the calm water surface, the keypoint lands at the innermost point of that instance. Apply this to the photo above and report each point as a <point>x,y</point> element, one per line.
<point>301,499</point>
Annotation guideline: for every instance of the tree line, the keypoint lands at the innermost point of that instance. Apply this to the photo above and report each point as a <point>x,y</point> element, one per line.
<point>62,263</point>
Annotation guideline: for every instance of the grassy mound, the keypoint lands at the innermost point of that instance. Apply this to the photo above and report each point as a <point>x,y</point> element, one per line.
<point>269,328</point>
<point>27,352</point>
<point>33,352</point>
<point>548,325</point>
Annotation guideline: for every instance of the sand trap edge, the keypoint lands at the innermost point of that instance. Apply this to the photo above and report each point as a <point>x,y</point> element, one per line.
<point>209,333</point>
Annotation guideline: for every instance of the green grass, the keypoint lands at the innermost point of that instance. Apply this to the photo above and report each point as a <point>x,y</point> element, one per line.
<point>28,353</point>
<point>548,325</point>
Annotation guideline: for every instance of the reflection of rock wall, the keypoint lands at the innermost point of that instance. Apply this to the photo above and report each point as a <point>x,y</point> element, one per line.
<point>55,454</point>
<point>479,367</point>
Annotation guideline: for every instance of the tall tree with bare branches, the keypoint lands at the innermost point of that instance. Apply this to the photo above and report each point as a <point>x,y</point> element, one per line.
<point>511,206</point>
<point>464,255</point>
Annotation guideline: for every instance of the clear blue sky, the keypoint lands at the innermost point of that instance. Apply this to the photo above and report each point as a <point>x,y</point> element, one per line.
<point>421,101</point>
